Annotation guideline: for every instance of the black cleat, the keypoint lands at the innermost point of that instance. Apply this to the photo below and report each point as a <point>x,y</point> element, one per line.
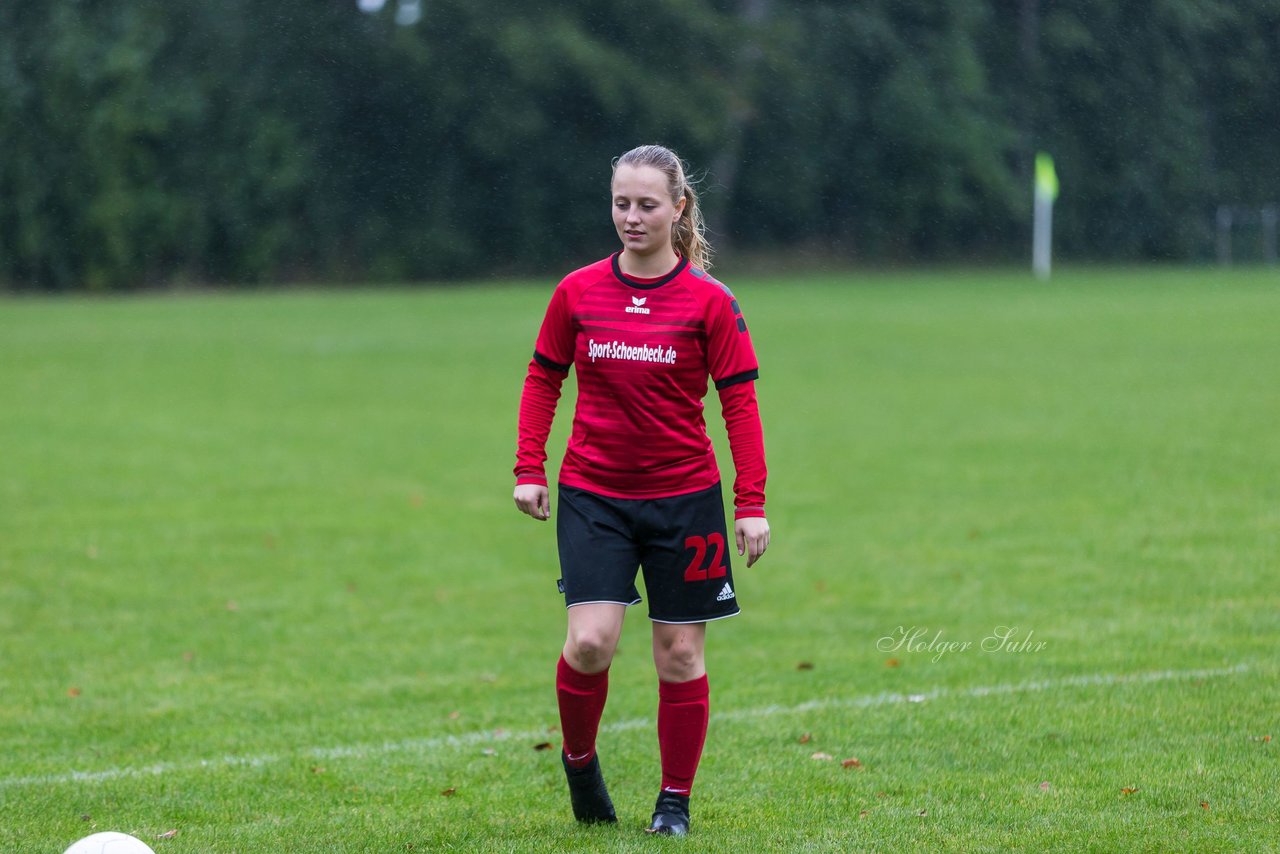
<point>590,798</point>
<point>670,815</point>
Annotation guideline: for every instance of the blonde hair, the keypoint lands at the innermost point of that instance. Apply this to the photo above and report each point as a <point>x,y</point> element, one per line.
<point>688,233</point>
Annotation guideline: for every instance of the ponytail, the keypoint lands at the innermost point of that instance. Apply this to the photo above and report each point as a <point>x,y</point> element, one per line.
<point>688,233</point>
<point>689,236</point>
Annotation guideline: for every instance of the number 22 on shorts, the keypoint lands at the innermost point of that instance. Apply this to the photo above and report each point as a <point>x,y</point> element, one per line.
<point>696,571</point>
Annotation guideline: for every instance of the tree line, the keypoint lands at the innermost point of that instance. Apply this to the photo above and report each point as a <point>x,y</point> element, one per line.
<point>147,142</point>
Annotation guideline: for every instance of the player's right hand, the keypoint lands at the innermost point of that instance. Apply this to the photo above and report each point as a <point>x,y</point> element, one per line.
<point>535,500</point>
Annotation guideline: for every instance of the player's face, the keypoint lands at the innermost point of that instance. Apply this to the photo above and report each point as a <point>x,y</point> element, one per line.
<point>642,209</point>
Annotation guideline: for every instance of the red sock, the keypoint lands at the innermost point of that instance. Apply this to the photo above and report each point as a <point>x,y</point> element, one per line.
<point>581,697</point>
<point>683,709</point>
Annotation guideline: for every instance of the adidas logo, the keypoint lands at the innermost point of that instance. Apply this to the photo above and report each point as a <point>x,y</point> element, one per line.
<point>726,593</point>
<point>637,306</point>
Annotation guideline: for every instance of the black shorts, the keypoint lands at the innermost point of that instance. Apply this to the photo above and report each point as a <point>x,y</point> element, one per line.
<point>680,542</point>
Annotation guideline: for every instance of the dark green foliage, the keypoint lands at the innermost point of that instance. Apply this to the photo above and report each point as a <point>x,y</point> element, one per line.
<point>146,142</point>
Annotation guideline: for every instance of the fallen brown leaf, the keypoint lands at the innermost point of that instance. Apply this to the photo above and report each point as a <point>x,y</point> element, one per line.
<point>317,769</point>
<point>891,662</point>
<point>73,691</point>
<point>806,738</point>
<point>542,745</point>
<point>453,716</point>
<point>851,762</point>
<point>804,665</point>
<point>168,834</point>
<point>1127,790</point>
<point>1204,805</point>
<point>1044,787</point>
<point>862,814</point>
<point>449,791</point>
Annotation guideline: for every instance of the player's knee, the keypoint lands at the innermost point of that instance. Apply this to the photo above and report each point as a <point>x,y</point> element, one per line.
<point>593,650</point>
<point>679,657</point>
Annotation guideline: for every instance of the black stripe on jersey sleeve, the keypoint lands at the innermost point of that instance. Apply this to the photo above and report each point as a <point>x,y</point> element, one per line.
<point>548,364</point>
<point>744,377</point>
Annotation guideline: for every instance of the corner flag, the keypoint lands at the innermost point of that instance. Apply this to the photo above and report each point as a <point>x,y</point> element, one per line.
<point>1042,227</point>
<point>1046,177</point>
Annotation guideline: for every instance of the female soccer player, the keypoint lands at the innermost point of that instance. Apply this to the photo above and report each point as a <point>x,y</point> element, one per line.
<point>639,486</point>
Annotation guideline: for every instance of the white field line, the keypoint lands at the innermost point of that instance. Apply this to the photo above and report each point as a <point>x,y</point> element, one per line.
<point>432,745</point>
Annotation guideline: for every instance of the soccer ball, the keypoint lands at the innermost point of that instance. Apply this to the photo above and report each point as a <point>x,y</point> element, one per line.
<point>110,842</point>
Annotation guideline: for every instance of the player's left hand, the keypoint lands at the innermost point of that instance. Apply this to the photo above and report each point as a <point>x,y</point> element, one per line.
<point>752,534</point>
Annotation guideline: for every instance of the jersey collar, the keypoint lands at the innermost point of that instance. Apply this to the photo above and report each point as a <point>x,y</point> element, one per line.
<point>647,286</point>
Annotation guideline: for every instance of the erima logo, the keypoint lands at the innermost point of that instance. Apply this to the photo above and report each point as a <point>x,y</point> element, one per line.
<point>637,306</point>
<point>726,593</point>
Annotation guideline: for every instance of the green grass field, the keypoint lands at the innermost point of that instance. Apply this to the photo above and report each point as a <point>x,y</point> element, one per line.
<point>262,581</point>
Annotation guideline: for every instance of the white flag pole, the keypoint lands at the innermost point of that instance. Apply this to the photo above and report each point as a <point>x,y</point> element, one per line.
<point>1046,191</point>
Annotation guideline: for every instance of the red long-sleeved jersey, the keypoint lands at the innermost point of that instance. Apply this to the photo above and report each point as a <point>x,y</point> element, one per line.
<point>643,349</point>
